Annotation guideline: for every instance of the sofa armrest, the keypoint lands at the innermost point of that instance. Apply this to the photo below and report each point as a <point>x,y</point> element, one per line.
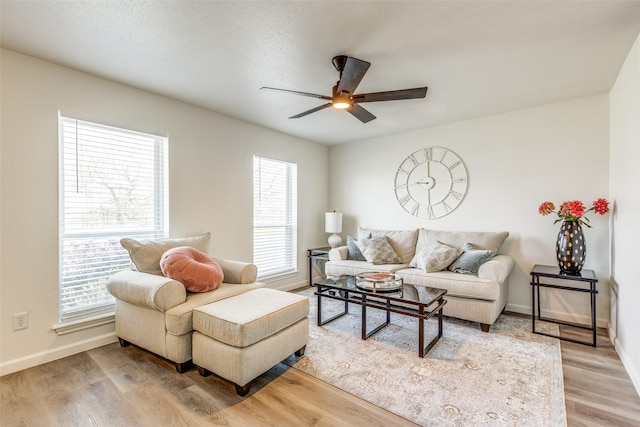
<point>497,268</point>
<point>338,254</point>
<point>147,290</point>
<point>238,272</point>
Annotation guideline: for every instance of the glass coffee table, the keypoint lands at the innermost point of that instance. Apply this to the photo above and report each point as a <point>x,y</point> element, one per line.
<point>387,292</point>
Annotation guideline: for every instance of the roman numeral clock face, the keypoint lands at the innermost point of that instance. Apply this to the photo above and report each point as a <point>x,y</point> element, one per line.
<point>431,182</point>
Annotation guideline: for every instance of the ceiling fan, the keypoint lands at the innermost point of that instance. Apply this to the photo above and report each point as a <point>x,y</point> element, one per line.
<point>352,71</point>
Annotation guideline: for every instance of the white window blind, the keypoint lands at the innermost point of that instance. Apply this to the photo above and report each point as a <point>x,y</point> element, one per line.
<point>113,184</point>
<point>274,216</point>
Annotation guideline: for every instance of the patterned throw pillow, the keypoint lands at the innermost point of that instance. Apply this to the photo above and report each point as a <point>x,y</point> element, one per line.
<point>470,260</point>
<point>435,257</point>
<point>377,250</point>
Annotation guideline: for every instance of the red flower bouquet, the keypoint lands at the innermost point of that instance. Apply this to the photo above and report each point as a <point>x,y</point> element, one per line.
<point>574,210</point>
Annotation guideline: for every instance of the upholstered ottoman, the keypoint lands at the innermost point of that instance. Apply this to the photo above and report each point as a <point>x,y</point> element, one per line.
<point>241,337</point>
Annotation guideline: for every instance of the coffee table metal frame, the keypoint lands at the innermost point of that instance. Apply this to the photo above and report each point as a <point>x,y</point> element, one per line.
<point>343,288</point>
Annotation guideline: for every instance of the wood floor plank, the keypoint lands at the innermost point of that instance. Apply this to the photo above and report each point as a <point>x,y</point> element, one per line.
<point>598,390</point>
<point>291,392</point>
<point>19,407</point>
<point>588,415</point>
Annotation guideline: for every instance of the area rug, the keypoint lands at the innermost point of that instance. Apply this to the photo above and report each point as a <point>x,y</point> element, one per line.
<point>507,377</point>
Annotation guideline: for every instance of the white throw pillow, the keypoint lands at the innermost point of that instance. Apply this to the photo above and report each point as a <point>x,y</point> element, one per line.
<point>436,257</point>
<point>145,255</point>
<point>377,250</point>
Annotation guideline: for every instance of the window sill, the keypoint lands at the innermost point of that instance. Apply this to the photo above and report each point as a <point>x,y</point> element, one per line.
<point>277,277</point>
<point>87,323</point>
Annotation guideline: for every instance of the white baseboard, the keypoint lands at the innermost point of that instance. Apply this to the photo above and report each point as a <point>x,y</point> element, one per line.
<point>289,287</point>
<point>585,320</point>
<point>630,363</point>
<point>32,360</point>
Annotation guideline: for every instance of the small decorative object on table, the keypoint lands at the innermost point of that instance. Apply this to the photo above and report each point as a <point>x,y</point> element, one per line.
<point>379,282</point>
<point>571,247</point>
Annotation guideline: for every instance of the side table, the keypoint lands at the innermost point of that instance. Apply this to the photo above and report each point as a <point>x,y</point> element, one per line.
<point>576,283</point>
<point>317,255</point>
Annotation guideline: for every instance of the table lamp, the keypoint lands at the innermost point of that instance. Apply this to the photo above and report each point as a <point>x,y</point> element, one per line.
<point>333,224</point>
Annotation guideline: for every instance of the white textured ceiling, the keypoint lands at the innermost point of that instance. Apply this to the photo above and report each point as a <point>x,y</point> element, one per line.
<point>477,57</point>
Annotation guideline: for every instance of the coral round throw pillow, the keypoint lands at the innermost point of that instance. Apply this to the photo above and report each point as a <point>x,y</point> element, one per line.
<point>194,269</point>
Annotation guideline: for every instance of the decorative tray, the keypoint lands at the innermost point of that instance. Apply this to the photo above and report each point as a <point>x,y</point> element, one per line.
<point>378,282</point>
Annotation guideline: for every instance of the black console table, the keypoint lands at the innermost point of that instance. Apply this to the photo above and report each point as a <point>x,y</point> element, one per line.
<point>576,283</point>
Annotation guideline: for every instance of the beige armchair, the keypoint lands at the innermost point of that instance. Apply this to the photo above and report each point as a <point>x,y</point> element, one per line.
<point>155,312</point>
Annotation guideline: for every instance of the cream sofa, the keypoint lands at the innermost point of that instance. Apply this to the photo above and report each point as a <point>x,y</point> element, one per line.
<point>155,312</point>
<point>479,297</point>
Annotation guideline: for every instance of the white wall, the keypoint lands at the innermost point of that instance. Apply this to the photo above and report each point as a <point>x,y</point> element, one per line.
<point>514,162</point>
<point>625,232</point>
<point>210,168</point>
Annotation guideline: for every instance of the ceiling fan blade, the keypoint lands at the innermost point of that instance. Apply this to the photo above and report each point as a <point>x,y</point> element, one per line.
<point>295,92</point>
<point>392,95</point>
<point>313,110</point>
<point>360,113</point>
<point>354,71</point>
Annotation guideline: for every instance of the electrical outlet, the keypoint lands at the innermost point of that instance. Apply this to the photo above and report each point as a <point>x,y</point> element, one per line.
<point>20,321</point>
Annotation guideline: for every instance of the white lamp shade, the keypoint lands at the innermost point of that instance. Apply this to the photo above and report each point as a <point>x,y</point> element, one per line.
<point>333,222</point>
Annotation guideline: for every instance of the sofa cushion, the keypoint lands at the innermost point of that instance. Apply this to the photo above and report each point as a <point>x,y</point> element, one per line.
<point>403,242</point>
<point>191,267</point>
<point>480,239</point>
<point>377,250</point>
<point>351,267</point>
<point>435,257</point>
<point>145,255</point>
<point>457,285</point>
<point>470,259</point>
<point>354,251</point>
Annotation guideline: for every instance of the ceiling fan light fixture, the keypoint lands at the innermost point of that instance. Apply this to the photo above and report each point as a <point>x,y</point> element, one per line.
<point>343,96</point>
<point>341,103</point>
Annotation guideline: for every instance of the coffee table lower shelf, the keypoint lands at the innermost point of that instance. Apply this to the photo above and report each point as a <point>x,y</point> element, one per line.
<point>390,304</point>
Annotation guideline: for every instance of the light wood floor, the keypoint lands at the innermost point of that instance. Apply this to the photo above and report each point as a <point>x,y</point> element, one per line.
<point>597,389</point>
<point>114,386</point>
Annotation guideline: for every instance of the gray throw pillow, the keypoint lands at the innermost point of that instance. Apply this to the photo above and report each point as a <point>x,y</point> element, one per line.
<point>377,250</point>
<point>435,257</point>
<point>470,260</point>
<point>354,251</point>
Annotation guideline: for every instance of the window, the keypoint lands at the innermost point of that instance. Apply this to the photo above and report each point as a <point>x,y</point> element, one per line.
<point>113,184</point>
<point>274,216</point>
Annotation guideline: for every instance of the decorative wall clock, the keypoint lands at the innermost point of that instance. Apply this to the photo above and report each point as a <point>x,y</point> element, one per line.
<point>430,183</point>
